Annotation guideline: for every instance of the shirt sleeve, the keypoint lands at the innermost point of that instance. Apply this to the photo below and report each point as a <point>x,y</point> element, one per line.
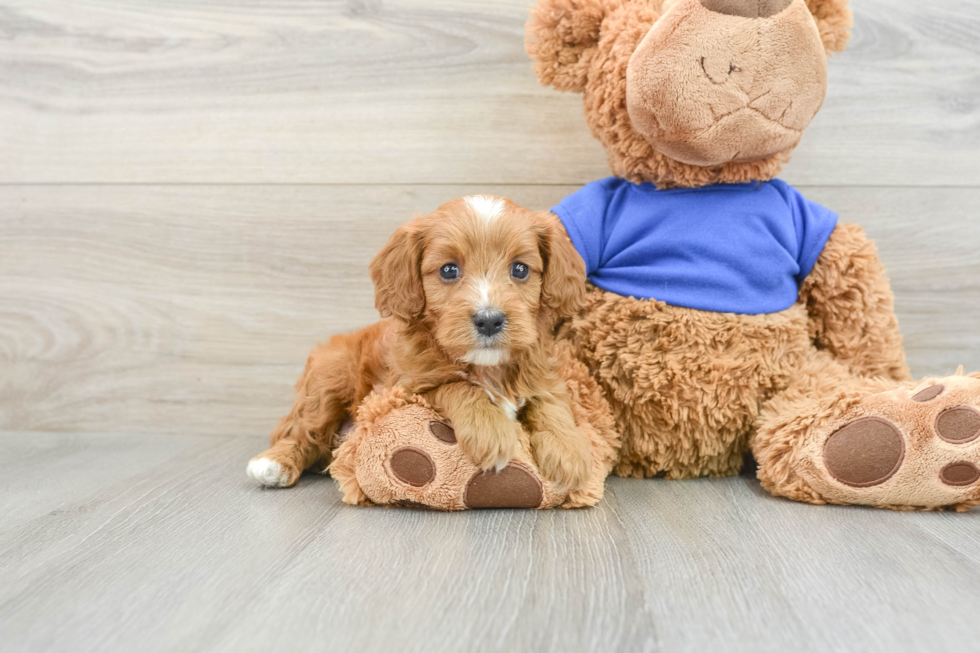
<point>814,223</point>
<point>583,215</point>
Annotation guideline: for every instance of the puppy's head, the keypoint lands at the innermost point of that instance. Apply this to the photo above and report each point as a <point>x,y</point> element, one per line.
<point>486,277</point>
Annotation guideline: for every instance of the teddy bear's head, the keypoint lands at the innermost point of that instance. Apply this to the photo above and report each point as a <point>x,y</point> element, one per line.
<point>691,92</point>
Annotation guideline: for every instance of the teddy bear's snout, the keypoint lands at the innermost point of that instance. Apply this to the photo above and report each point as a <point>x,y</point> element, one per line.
<point>747,8</point>
<point>705,87</point>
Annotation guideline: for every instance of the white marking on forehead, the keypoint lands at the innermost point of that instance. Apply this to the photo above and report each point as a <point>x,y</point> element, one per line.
<point>483,287</point>
<point>486,207</point>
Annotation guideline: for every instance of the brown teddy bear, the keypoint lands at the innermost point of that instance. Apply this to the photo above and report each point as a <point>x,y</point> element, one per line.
<point>727,313</point>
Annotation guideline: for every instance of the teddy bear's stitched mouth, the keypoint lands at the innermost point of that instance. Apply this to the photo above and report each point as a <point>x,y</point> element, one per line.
<point>752,109</point>
<point>781,138</point>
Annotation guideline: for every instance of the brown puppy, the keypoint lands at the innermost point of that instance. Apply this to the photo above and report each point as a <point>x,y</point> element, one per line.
<point>473,292</point>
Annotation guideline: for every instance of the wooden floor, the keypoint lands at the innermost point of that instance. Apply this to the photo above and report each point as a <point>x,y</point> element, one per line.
<point>159,543</point>
<point>190,192</point>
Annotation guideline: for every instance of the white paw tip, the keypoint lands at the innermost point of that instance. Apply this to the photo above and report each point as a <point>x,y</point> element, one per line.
<point>267,472</point>
<point>500,464</point>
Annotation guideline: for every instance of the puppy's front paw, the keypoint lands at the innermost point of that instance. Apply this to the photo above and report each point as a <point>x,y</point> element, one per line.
<point>564,459</point>
<point>490,447</point>
<point>272,473</point>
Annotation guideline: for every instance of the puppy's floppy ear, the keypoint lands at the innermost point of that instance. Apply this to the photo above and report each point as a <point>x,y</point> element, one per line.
<point>397,275</point>
<point>834,20</point>
<point>561,36</point>
<point>563,287</point>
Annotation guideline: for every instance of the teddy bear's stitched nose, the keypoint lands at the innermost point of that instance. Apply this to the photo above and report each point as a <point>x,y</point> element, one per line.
<point>747,8</point>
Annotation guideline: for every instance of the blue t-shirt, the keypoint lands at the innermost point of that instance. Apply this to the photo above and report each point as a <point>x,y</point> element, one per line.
<point>730,248</point>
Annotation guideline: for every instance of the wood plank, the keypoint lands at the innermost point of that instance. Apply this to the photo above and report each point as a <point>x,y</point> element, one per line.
<point>416,91</point>
<point>191,309</point>
<point>189,555</point>
<point>192,555</point>
<point>737,569</point>
<point>77,465</point>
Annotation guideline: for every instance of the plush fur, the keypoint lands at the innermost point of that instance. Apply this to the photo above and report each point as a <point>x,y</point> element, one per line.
<point>686,386</point>
<point>435,279</point>
<point>686,93</point>
<point>750,87</point>
<point>588,46</point>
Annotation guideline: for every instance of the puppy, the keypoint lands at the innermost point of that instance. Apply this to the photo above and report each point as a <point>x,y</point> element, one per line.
<point>472,293</point>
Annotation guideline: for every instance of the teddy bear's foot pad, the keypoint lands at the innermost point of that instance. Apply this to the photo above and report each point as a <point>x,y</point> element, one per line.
<point>514,486</point>
<point>910,447</point>
<point>866,452</point>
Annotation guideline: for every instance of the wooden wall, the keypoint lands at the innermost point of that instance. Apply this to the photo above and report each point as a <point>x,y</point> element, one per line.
<point>190,190</point>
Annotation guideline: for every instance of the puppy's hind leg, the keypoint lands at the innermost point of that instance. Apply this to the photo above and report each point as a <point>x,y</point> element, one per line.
<point>337,376</point>
<point>294,449</point>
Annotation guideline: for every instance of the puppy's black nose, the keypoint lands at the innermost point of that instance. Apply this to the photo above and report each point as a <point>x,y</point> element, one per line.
<point>489,323</point>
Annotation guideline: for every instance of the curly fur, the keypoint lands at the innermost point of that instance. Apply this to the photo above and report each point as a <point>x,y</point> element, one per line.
<point>834,20</point>
<point>431,346</point>
<point>684,385</point>
<point>692,390</point>
<point>852,308</point>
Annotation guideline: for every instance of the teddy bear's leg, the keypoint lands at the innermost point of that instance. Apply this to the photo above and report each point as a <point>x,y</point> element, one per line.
<point>402,451</point>
<point>834,437</point>
<point>405,453</point>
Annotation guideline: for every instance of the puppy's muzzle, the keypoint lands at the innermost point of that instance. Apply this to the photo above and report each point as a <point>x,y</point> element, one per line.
<point>489,323</point>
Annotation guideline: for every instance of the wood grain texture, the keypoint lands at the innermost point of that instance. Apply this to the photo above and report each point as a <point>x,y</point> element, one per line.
<point>184,553</point>
<point>416,91</point>
<point>192,309</point>
<point>158,322</point>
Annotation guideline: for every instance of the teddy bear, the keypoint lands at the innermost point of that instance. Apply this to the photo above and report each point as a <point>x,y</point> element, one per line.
<point>726,313</point>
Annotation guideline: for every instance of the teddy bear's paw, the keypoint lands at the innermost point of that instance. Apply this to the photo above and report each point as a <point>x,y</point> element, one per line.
<point>411,456</point>
<point>914,447</point>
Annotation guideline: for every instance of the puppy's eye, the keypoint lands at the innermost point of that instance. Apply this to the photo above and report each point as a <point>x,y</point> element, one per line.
<point>519,271</point>
<point>449,271</point>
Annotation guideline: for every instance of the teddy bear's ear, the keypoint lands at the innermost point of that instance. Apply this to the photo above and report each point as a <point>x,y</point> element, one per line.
<point>834,20</point>
<point>560,35</point>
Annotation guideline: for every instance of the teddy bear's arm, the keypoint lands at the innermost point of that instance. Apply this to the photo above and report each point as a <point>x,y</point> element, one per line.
<point>851,307</point>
